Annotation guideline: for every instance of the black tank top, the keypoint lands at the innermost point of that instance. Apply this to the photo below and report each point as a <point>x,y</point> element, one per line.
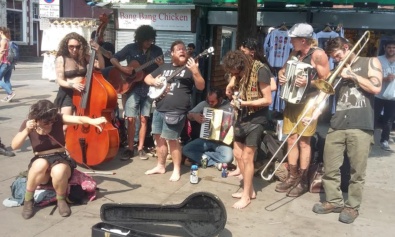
<point>354,107</point>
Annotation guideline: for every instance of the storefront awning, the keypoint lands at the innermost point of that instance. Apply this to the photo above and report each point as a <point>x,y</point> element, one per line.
<point>153,6</point>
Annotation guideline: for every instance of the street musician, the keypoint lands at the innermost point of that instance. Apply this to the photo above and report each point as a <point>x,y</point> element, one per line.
<point>304,50</point>
<point>351,128</point>
<point>252,78</point>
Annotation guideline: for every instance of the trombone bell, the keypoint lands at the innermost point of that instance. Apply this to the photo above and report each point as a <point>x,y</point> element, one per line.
<point>325,87</point>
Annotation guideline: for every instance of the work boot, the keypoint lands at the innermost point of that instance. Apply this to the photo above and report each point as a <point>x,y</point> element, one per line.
<point>348,215</point>
<point>302,185</point>
<point>64,209</point>
<point>326,207</point>
<point>28,209</point>
<point>293,177</point>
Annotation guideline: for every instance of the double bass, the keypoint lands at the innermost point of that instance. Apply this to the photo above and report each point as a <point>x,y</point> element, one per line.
<point>85,143</point>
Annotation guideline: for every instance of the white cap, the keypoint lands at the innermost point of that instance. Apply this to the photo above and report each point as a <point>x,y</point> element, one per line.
<point>302,30</point>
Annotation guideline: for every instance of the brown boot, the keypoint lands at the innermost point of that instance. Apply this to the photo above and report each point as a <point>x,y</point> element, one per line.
<point>64,209</point>
<point>293,177</point>
<point>28,209</point>
<point>301,187</point>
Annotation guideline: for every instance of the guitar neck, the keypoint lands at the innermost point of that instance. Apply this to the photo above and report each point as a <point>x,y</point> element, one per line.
<point>147,64</point>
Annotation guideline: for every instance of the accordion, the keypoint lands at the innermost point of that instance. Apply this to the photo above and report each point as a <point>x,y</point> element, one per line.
<point>217,125</point>
<point>289,91</point>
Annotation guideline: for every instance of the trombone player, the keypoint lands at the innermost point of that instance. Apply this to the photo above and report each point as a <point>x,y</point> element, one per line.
<point>351,128</point>
<point>303,43</point>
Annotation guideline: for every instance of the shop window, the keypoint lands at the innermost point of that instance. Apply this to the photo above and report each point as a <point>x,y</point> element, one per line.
<point>15,4</point>
<point>14,23</point>
<point>228,40</point>
<point>36,12</point>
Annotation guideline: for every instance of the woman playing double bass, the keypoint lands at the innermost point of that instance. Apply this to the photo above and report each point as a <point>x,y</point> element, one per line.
<point>71,66</point>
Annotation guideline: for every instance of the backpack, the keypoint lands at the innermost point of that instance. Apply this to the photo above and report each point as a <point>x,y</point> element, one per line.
<point>13,52</point>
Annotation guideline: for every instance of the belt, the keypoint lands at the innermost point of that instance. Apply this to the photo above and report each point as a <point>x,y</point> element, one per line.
<point>50,152</point>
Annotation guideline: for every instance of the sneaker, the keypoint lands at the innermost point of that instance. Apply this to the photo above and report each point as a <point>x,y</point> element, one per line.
<point>127,154</point>
<point>218,166</point>
<point>326,207</point>
<point>4,151</point>
<point>385,146</point>
<point>8,98</point>
<point>142,155</point>
<point>348,215</point>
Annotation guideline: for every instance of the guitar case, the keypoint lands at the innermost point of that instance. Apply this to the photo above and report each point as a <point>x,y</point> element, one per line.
<point>201,214</point>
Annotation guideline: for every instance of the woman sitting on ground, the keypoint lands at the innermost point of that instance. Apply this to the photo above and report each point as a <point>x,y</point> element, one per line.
<point>50,163</point>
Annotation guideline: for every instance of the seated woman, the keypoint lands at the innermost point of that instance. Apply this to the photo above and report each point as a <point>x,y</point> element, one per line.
<point>50,163</point>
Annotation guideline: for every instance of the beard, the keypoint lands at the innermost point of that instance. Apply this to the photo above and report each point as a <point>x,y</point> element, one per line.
<point>179,61</point>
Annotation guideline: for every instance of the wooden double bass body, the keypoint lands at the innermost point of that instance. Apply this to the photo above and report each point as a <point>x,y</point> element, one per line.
<point>85,143</point>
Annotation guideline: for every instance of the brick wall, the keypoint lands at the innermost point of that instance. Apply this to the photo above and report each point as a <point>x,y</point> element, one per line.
<point>217,72</point>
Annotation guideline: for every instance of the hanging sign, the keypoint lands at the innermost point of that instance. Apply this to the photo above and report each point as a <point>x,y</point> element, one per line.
<point>49,8</point>
<point>164,19</point>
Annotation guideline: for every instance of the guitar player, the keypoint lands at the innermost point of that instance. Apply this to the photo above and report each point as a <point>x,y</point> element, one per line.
<point>136,102</point>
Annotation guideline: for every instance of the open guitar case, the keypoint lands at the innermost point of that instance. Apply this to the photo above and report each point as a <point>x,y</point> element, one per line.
<point>201,214</point>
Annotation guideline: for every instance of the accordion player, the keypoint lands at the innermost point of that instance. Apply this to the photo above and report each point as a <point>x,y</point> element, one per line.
<point>289,91</point>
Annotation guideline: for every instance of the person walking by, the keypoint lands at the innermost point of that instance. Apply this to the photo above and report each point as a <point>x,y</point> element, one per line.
<point>174,106</point>
<point>50,164</point>
<point>136,101</point>
<point>385,104</point>
<point>348,132</point>
<point>71,63</point>
<point>252,81</point>
<point>299,157</point>
<point>5,65</point>
<point>216,151</point>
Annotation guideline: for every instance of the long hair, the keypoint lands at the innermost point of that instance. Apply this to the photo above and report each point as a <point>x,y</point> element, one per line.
<point>238,60</point>
<point>63,49</point>
<point>253,44</point>
<point>43,110</point>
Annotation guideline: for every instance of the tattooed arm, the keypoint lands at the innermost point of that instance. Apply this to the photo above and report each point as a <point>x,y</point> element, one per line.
<point>372,83</point>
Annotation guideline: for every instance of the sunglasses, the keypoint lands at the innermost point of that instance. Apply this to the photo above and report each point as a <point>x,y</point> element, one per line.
<point>72,47</point>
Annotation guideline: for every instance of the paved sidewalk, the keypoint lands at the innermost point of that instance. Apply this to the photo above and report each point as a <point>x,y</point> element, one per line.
<point>270,215</point>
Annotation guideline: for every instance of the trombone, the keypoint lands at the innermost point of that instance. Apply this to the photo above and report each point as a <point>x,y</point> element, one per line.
<point>325,87</point>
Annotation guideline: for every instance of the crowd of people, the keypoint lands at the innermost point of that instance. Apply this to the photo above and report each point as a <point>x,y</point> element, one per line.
<point>247,97</point>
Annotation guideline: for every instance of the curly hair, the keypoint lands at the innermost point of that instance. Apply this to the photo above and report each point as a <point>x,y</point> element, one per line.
<point>43,110</point>
<point>143,33</point>
<point>336,43</point>
<point>237,60</point>
<point>63,49</point>
<point>253,44</point>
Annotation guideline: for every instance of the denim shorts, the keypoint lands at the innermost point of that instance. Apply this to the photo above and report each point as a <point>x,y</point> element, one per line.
<point>136,105</point>
<point>166,131</point>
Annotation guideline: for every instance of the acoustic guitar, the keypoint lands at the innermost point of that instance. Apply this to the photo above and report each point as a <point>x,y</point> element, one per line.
<point>123,82</point>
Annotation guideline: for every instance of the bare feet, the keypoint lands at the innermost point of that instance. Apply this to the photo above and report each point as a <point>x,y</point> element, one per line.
<point>156,170</point>
<point>239,195</point>
<point>242,203</point>
<point>175,176</point>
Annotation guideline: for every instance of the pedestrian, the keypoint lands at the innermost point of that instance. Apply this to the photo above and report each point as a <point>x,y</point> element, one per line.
<point>136,101</point>
<point>5,65</point>
<point>72,61</point>
<point>174,106</point>
<point>381,103</point>
<point>50,164</point>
